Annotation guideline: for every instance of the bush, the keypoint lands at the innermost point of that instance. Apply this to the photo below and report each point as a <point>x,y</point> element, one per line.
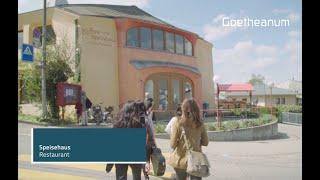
<point>211,127</point>
<point>232,125</point>
<point>160,128</point>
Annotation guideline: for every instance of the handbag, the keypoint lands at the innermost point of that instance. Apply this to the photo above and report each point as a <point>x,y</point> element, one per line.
<point>197,162</point>
<point>158,162</point>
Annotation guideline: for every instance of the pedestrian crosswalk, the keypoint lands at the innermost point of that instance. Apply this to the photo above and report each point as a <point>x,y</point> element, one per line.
<point>60,171</point>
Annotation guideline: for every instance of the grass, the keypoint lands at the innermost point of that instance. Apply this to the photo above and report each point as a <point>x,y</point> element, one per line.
<point>39,120</point>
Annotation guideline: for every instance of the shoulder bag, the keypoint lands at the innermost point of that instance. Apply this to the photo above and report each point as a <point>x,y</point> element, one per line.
<point>197,162</point>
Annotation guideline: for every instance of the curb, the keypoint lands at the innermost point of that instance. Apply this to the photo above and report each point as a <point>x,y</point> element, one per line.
<point>290,123</point>
<point>33,123</point>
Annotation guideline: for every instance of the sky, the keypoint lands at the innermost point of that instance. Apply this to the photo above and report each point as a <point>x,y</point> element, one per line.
<point>238,52</point>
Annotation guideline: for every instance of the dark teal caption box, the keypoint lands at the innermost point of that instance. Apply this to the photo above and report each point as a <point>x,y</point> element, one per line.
<point>91,144</point>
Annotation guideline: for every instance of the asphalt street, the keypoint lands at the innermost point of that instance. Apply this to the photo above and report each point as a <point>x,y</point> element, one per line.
<point>277,159</point>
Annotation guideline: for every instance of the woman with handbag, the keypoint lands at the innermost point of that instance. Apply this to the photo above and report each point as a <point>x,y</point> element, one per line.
<point>188,135</point>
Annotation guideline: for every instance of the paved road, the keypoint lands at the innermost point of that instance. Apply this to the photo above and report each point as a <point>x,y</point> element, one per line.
<point>269,159</point>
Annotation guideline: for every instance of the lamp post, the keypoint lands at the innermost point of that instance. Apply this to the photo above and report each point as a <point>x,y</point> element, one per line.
<point>271,101</point>
<point>43,64</point>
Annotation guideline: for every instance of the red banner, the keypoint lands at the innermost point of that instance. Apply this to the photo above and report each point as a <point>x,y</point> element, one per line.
<point>68,94</point>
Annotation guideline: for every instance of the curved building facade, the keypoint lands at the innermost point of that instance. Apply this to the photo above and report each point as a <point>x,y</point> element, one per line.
<point>127,54</point>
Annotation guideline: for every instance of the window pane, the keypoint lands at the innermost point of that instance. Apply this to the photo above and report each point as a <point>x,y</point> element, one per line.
<point>176,92</point>
<point>187,47</point>
<point>132,37</point>
<point>148,89</point>
<point>283,101</point>
<point>158,40</point>
<point>188,90</point>
<point>170,42</point>
<point>20,40</point>
<point>145,34</point>
<point>163,94</point>
<point>179,44</point>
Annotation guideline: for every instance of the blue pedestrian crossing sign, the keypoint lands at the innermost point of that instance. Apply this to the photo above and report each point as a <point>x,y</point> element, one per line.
<point>27,53</point>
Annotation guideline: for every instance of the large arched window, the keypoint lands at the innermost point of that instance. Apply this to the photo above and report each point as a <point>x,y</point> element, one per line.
<point>132,38</point>
<point>159,40</point>
<point>148,89</point>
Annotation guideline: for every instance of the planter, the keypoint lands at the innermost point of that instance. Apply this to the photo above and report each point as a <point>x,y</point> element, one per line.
<point>266,131</point>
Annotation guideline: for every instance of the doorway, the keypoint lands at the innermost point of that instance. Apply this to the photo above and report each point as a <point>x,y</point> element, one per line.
<point>168,90</point>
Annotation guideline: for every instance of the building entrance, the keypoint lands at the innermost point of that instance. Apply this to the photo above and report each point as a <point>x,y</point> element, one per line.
<point>168,90</point>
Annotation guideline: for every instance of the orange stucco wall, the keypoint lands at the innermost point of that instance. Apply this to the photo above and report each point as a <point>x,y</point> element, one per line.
<point>131,80</point>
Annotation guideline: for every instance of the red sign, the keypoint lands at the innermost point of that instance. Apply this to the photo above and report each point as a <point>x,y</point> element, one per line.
<point>68,94</point>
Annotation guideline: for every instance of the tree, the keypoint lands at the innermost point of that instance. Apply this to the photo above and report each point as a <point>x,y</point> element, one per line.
<point>59,58</point>
<point>256,79</point>
<point>30,80</point>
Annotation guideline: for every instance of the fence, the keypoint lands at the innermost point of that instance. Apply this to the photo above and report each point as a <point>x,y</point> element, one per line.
<point>288,117</point>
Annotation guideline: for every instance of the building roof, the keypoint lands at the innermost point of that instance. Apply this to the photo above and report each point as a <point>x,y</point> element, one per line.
<point>235,87</point>
<point>115,11</point>
<point>261,90</point>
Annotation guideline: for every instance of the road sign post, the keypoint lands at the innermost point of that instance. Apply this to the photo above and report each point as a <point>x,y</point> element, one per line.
<point>27,53</point>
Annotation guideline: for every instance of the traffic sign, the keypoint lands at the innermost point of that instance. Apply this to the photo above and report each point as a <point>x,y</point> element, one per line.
<point>27,53</point>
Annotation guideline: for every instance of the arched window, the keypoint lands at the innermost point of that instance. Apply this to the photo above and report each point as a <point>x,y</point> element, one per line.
<point>148,89</point>
<point>187,90</point>
<point>159,40</point>
<point>132,38</point>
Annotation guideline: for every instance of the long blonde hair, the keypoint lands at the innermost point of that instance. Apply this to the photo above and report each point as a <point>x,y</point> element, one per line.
<point>191,111</point>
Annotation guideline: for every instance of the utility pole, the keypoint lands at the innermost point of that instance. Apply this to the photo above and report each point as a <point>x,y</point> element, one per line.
<point>43,64</point>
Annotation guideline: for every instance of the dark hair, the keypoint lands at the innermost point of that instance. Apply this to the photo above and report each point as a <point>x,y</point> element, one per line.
<point>149,103</point>
<point>191,111</point>
<point>131,115</point>
<point>178,110</point>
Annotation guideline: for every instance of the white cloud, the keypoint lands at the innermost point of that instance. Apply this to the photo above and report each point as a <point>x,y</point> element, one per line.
<point>294,17</point>
<point>280,11</point>
<point>263,62</point>
<point>248,55</point>
<point>139,3</point>
<point>215,30</point>
<point>294,48</point>
<point>294,34</point>
<point>264,50</point>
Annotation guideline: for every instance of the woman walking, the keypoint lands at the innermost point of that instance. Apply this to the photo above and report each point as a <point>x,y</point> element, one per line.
<point>132,115</point>
<point>195,133</point>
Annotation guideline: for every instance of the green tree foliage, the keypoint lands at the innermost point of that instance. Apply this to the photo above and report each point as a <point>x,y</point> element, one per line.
<point>256,79</point>
<point>57,70</point>
<point>30,80</point>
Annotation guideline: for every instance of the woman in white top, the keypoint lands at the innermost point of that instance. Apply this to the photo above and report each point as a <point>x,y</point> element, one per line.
<point>173,119</point>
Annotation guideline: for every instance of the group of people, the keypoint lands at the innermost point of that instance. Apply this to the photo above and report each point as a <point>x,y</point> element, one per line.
<point>138,114</point>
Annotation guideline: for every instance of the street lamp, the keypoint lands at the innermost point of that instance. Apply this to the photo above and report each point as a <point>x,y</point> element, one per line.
<point>271,85</point>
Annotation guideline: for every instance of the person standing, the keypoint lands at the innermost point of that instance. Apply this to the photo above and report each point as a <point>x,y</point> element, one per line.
<point>195,133</point>
<point>174,119</point>
<point>84,118</point>
<point>152,142</point>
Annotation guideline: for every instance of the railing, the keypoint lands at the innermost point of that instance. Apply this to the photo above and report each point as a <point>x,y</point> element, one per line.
<point>288,117</point>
